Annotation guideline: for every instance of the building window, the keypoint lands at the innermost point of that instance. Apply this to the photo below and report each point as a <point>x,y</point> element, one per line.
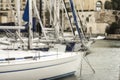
<point>68,7</point>
<point>99,6</point>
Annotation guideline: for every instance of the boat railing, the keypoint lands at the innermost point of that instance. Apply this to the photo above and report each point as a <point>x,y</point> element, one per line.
<point>55,50</point>
<point>37,55</point>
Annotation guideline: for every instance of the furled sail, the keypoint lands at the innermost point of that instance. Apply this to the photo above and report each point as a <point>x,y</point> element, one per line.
<point>26,12</point>
<point>26,16</point>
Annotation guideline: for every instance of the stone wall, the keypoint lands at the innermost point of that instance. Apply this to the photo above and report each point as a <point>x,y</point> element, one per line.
<point>101,27</point>
<point>105,17</point>
<point>88,4</point>
<point>89,19</point>
<point>3,19</point>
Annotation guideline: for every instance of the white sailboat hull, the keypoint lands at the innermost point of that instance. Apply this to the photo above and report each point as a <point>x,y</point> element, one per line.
<point>39,69</point>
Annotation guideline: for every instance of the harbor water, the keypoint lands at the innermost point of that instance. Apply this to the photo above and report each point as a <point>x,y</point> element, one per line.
<point>105,59</point>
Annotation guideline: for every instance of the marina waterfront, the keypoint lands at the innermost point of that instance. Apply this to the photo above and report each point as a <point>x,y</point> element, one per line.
<point>47,39</point>
<point>105,58</point>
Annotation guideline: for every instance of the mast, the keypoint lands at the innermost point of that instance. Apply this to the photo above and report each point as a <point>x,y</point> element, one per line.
<point>81,23</point>
<point>50,12</point>
<point>76,21</point>
<point>18,2</point>
<point>62,18</point>
<point>56,17</point>
<point>67,14</point>
<point>40,7</point>
<point>44,12</point>
<point>30,25</point>
<point>39,19</point>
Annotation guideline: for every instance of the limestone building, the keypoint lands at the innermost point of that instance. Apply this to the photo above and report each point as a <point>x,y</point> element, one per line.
<point>8,10</point>
<point>89,7</point>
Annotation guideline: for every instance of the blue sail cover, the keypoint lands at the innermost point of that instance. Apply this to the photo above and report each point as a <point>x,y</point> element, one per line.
<point>26,16</point>
<point>26,12</point>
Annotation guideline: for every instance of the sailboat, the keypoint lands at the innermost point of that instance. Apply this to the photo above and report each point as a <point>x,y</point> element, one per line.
<point>40,65</point>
